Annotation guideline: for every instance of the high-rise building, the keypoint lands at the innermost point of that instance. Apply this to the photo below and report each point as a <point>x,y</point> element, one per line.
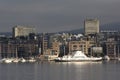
<point>91,26</point>
<point>22,30</point>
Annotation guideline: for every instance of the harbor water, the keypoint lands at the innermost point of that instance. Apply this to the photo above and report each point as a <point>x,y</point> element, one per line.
<point>61,71</point>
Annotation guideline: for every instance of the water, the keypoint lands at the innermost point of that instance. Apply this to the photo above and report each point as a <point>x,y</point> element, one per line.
<point>60,71</point>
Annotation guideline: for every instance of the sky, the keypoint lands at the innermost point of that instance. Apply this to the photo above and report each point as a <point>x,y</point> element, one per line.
<point>56,15</point>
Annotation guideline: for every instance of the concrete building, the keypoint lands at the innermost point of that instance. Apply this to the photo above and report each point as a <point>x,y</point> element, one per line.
<point>97,51</point>
<point>55,48</point>
<point>111,48</point>
<point>22,30</point>
<point>51,53</point>
<point>44,43</point>
<point>91,26</point>
<point>48,46</point>
<point>82,45</point>
<point>21,49</point>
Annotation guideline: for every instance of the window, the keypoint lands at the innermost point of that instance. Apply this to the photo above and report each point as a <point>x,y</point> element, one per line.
<point>74,45</point>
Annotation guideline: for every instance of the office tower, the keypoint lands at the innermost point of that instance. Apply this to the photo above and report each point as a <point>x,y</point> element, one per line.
<point>91,26</point>
<point>22,30</point>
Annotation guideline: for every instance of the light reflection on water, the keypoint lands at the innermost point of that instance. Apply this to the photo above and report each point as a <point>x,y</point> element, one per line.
<point>61,71</point>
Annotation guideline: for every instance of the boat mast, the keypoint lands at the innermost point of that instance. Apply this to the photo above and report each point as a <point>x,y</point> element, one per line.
<point>91,52</point>
<point>64,50</point>
<point>16,53</point>
<point>118,51</point>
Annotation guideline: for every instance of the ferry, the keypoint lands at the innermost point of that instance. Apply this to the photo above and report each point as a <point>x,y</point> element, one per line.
<point>77,56</point>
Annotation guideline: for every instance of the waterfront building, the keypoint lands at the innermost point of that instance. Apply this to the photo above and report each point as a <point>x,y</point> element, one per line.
<point>91,26</point>
<point>44,43</point>
<point>111,43</point>
<point>108,33</point>
<point>82,45</point>
<point>55,48</point>
<point>111,48</point>
<point>97,51</point>
<point>52,52</point>
<point>49,45</point>
<point>21,48</point>
<point>22,30</point>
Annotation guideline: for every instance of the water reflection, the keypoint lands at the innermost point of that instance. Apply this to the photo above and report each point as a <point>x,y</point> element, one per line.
<point>77,70</point>
<point>61,71</point>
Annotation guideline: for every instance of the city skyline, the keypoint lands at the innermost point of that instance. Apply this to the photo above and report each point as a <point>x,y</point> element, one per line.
<point>53,15</point>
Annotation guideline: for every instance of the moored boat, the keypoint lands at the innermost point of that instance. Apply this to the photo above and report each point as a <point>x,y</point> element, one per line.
<point>106,57</point>
<point>22,60</point>
<point>31,59</point>
<point>2,60</point>
<point>118,59</point>
<point>8,60</point>
<point>16,60</point>
<point>77,56</point>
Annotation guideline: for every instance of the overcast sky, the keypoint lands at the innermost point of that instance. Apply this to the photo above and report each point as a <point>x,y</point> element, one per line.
<point>56,15</point>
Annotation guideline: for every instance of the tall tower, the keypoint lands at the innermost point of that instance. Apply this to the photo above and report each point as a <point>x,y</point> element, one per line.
<point>91,26</point>
<point>22,30</point>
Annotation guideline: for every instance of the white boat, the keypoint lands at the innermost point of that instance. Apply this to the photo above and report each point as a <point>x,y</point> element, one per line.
<point>22,60</point>
<point>118,59</point>
<point>31,59</point>
<point>8,60</point>
<point>16,60</point>
<point>50,57</point>
<point>2,60</point>
<point>77,56</point>
<point>106,57</point>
